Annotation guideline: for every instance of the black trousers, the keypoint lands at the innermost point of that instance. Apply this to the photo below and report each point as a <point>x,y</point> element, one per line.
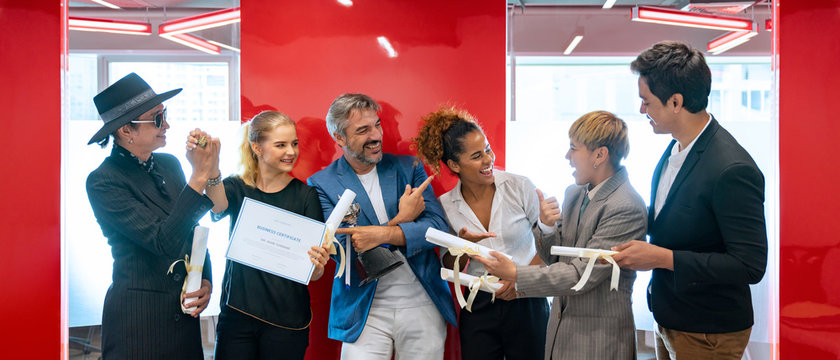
<point>239,336</point>
<point>504,329</point>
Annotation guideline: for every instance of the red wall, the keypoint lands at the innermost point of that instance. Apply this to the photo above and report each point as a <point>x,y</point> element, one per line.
<point>31,60</point>
<point>296,58</point>
<point>808,62</point>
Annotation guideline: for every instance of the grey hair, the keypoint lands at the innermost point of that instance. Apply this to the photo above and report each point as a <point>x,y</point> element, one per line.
<point>341,108</point>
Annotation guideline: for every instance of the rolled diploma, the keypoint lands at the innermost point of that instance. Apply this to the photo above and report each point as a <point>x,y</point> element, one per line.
<point>199,249</point>
<point>466,279</point>
<point>449,241</point>
<point>592,254</point>
<point>333,222</point>
<point>340,210</point>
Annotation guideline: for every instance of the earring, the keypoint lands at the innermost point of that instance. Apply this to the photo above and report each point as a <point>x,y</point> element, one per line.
<point>131,141</point>
<point>595,166</point>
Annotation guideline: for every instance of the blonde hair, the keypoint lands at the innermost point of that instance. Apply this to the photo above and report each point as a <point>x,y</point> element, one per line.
<point>440,138</point>
<point>602,128</point>
<point>254,131</point>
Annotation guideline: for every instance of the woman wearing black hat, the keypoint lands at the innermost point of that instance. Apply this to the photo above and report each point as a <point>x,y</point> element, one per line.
<point>148,211</point>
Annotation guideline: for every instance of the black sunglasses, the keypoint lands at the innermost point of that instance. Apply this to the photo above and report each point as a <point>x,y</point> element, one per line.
<point>159,118</point>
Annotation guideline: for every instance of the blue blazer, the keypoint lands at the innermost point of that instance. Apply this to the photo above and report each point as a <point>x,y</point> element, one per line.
<point>349,307</point>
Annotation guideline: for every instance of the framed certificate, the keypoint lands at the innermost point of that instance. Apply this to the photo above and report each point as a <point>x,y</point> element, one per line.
<point>274,240</point>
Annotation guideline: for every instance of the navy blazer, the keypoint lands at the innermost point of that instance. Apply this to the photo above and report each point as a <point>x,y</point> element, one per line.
<point>349,307</point>
<point>147,231</point>
<point>713,220</point>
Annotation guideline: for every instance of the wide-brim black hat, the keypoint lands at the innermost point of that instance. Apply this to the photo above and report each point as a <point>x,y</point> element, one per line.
<point>124,101</point>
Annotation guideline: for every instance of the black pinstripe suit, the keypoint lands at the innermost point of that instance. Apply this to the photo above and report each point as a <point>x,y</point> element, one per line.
<point>147,231</point>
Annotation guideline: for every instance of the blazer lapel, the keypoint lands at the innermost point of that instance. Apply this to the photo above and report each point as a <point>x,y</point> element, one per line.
<point>143,183</point>
<point>347,178</point>
<point>654,184</point>
<point>388,183</point>
<point>586,222</point>
<point>690,160</point>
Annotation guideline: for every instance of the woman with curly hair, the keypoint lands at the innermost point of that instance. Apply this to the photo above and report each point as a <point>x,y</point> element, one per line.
<point>495,209</point>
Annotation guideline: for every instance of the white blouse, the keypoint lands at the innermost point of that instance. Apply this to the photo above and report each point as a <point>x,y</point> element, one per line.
<point>515,209</point>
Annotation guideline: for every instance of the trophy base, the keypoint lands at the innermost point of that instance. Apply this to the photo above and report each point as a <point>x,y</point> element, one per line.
<point>376,263</point>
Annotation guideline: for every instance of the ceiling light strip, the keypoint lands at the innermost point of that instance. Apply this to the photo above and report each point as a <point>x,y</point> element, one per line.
<point>729,40</point>
<point>608,4</point>
<point>224,46</point>
<point>573,44</point>
<point>684,18</point>
<point>107,25</point>
<point>201,22</point>
<point>193,42</point>
<point>105,3</point>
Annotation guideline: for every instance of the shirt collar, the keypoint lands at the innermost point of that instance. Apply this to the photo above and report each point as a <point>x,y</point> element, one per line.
<point>121,153</point>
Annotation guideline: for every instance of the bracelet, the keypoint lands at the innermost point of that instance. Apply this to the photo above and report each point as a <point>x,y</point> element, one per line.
<point>215,181</point>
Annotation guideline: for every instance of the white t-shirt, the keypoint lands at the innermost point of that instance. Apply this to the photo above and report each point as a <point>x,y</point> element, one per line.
<point>400,288</point>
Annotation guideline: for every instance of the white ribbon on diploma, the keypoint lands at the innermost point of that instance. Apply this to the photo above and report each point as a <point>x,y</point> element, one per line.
<point>333,222</point>
<point>486,283</point>
<point>194,263</point>
<point>592,254</point>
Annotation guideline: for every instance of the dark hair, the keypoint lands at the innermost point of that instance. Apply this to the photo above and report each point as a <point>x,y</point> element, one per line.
<point>104,142</point>
<point>671,67</point>
<point>441,137</point>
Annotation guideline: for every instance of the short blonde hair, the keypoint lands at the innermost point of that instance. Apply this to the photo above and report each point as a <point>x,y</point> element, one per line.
<point>254,129</point>
<point>602,128</point>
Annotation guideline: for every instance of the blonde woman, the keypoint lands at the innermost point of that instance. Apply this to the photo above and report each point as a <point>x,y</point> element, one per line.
<point>264,316</point>
<point>599,211</point>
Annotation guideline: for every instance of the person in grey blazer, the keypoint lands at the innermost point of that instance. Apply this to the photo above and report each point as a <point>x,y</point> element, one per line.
<point>600,211</point>
<point>147,211</point>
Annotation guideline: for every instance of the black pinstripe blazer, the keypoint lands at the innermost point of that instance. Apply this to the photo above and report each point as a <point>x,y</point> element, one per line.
<point>142,317</point>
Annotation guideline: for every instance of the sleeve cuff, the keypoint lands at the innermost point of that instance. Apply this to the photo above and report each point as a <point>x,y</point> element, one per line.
<point>546,230</point>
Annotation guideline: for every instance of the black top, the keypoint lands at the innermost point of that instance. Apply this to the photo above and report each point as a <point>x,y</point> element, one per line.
<point>270,298</point>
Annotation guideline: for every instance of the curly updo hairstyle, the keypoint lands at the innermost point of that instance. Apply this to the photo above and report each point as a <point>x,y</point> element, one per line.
<point>441,136</point>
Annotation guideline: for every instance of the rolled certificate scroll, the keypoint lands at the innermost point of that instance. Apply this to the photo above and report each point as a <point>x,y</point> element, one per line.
<point>333,222</point>
<point>592,254</point>
<point>484,283</point>
<point>451,242</point>
<point>194,263</point>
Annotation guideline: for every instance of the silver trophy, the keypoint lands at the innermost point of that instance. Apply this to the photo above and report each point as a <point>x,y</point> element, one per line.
<point>374,263</point>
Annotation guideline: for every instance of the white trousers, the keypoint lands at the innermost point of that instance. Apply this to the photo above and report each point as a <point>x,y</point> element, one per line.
<point>413,333</point>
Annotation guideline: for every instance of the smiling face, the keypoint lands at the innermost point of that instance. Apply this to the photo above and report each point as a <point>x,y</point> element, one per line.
<point>145,137</point>
<point>475,163</point>
<point>362,140</point>
<point>661,115</point>
<point>582,160</point>
<point>278,150</point>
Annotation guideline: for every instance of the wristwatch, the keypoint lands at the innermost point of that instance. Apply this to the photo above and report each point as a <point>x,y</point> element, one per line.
<point>215,181</point>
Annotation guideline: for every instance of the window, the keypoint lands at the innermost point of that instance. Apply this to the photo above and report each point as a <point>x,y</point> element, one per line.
<point>552,92</point>
<point>209,101</point>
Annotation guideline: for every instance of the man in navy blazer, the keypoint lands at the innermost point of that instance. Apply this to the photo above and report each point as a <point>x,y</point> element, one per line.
<point>708,240</point>
<point>405,310</point>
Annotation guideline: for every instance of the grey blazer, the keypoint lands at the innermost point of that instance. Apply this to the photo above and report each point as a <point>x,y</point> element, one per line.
<point>593,323</point>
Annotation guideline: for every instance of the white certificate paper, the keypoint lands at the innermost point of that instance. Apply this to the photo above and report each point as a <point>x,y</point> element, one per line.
<point>274,240</point>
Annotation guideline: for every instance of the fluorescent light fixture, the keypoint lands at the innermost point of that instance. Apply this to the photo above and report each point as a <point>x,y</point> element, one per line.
<point>609,4</point>
<point>200,22</point>
<point>110,26</point>
<point>224,46</point>
<point>573,44</point>
<point>105,3</point>
<point>347,3</point>
<point>729,40</point>
<point>193,42</point>
<point>689,19</point>
<point>385,44</point>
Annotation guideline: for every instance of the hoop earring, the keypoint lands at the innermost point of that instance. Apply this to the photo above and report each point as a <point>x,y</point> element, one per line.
<point>131,141</point>
<point>595,166</point>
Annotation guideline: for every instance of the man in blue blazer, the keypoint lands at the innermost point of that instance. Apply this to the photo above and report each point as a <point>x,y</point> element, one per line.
<point>708,240</point>
<point>407,309</point>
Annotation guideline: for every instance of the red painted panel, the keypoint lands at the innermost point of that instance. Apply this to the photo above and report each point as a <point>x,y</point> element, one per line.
<point>809,83</point>
<point>298,57</point>
<point>30,156</point>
